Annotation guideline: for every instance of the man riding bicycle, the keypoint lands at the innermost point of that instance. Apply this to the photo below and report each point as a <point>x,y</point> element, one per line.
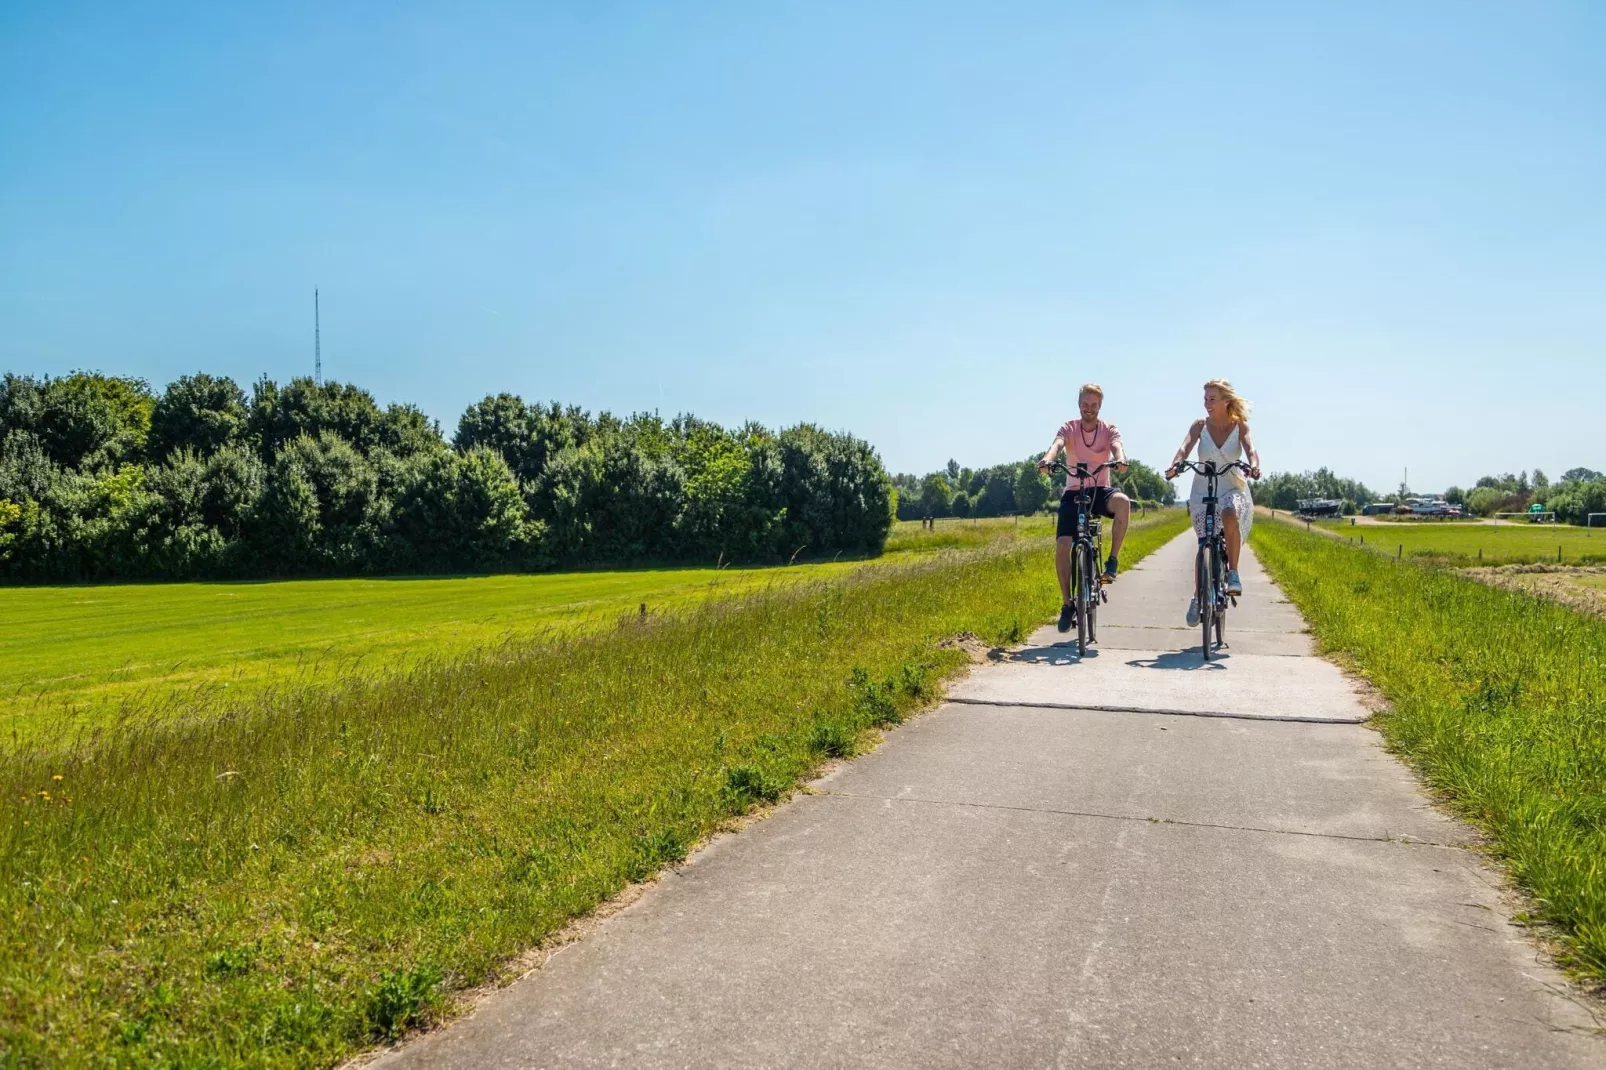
<point>1093,442</point>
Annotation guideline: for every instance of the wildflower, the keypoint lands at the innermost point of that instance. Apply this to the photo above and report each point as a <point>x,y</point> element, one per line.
<point>45,795</point>
<point>57,778</point>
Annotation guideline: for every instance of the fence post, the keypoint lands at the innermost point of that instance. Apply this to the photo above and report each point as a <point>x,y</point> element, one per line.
<point>1400,553</point>
<point>1558,555</point>
<point>1480,553</point>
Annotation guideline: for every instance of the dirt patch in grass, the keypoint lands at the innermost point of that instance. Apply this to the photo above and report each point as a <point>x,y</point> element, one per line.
<point>977,649</point>
<point>1580,587</point>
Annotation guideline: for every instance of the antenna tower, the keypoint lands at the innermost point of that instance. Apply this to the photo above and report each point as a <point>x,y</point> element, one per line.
<point>317,341</point>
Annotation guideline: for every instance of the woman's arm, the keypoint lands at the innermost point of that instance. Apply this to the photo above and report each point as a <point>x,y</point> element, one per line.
<point>1249,450</point>
<point>1187,446</point>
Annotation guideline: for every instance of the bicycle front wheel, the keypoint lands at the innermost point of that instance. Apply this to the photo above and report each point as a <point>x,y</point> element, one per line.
<point>1202,591</point>
<point>1082,583</point>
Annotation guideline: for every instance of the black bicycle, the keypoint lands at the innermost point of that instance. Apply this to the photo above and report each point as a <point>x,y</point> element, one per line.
<point>1087,549</point>
<point>1210,564</point>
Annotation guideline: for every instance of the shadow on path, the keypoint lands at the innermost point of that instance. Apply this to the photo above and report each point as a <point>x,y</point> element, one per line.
<point>1181,659</point>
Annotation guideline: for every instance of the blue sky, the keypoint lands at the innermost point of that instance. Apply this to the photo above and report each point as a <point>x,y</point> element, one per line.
<point>924,222</point>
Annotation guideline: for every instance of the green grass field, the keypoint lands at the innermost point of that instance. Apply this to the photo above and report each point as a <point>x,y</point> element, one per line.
<point>77,655</point>
<point>1461,544</point>
<point>1496,697</point>
<point>286,881</point>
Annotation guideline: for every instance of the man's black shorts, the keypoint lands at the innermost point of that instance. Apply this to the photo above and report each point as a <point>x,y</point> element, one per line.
<point>1066,528</point>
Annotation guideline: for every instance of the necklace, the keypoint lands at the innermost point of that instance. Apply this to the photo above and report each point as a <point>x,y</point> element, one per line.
<point>1087,443</point>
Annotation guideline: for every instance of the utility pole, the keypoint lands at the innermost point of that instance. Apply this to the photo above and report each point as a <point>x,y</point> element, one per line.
<point>317,341</point>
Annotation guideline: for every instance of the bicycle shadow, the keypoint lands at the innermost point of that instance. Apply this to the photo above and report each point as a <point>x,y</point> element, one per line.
<point>1053,654</point>
<point>1185,660</point>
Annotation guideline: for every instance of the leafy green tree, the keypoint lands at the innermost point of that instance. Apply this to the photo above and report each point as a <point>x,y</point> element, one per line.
<point>1032,489</point>
<point>527,436</point>
<point>304,407</point>
<point>998,494</point>
<point>1142,483</point>
<point>935,494</point>
<point>197,412</point>
<point>404,431</point>
<point>961,504</point>
<point>463,511</point>
<point>1573,500</point>
<point>285,531</point>
<point>836,493</point>
<point>10,521</point>
<point>87,420</point>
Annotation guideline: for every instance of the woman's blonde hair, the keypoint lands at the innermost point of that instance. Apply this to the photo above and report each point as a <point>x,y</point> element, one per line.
<point>1237,407</point>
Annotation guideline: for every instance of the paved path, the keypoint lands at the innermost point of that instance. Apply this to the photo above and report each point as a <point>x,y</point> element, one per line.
<point>1003,884</point>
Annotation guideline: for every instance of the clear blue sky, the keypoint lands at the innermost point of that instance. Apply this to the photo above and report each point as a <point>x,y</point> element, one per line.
<point>924,222</point>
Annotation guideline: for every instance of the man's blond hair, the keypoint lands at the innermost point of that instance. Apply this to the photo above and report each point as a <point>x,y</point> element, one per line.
<point>1090,388</point>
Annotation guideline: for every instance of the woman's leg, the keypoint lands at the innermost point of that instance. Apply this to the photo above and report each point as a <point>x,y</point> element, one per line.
<point>1229,528</point>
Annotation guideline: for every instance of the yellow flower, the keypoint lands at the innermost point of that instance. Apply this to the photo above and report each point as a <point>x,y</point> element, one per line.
<point>56,778</point>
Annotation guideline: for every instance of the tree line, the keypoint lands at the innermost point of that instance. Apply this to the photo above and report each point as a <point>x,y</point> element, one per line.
<point>1579,492</point>
<point>103,478</point>
<point>1014,488</point>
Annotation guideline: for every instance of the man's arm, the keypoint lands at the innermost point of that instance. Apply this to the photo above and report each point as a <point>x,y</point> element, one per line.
<point>1117,450</point>
<point>1053,451</point>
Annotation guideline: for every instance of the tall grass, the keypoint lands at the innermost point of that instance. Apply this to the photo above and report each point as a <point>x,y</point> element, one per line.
<point>289,880</point>
<point>1498,698</point>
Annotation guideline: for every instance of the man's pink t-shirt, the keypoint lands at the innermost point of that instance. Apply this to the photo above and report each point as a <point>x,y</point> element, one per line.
<point>1092,449</point>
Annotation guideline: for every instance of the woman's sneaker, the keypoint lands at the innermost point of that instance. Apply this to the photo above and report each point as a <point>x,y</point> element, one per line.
<point>1067,615</point>
<point>1235,586</point>
<point>1193,613</point>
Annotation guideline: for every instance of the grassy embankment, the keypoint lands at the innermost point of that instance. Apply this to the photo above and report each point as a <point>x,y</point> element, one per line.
<point>1462,544</point>
<point>289,880</point>
<point>92,655</point>
<point>1497,698</point>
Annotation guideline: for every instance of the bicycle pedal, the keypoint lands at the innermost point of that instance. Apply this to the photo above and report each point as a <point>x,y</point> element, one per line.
<point>1233,599</point>
<point>1104,596</point>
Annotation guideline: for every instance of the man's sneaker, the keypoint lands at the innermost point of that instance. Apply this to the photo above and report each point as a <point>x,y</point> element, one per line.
<point>1235,586</point>
<point>1193,613</point>
<point>1109,570</point>
<point>1067,615</point>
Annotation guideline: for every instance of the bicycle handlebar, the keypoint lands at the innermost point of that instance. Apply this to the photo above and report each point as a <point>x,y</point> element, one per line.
<point>1082,471</point>
<point>1206,468</point>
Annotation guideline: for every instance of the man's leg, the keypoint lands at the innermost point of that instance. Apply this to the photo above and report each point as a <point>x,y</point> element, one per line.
<point>1062,566</point>
<point>1121,509</point>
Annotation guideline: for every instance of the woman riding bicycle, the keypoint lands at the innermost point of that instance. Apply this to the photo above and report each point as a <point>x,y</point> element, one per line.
<point>1222,437</point>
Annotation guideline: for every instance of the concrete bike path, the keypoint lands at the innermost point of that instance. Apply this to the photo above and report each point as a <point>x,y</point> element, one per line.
<point>1047,885</point>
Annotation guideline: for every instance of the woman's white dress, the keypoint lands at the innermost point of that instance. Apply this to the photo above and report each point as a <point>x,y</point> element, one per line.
<point>1232,489</point>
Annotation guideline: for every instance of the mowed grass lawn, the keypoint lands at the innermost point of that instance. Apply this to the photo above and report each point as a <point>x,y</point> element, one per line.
<point>1460,544</point>
<point>294,880</point>
<point>77,655</point>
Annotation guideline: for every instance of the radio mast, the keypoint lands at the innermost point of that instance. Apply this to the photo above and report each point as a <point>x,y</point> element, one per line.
<point>317,341</point>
